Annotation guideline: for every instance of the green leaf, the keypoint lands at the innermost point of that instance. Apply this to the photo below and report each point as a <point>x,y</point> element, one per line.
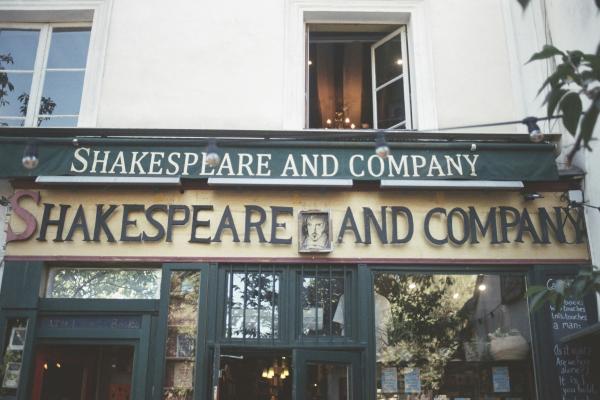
<point>589,120</point>
<point>575,56</point>
<point>547,52</point>
<point>571,107</point>
<point>553,98</point>
<point>538,300</point>
<point>525,3</point>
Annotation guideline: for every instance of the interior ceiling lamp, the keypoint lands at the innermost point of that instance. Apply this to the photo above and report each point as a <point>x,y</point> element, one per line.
<point>276,373</point>
<point>535,133</point>
<point>212,156</point>
<point>381,146</point>
<point>30,158</point>
<point>340,120</point>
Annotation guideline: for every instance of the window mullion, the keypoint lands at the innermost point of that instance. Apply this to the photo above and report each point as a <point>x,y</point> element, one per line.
<point>37,84</point>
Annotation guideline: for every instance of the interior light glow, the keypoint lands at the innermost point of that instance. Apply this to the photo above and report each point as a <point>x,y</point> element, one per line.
<point>46,366</point>
<point>412,285</point>
<point>58,365</point>
<point>399,61</point>
<point>309,62</point>
<point>482,287</point>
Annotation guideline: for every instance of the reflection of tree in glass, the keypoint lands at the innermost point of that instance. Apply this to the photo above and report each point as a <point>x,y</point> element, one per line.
<point>252,302</point>
<point>320,294</point>
<point>4,82</point>
<point>115,284</point>
<point>47,106</point>
<point>426,324</point>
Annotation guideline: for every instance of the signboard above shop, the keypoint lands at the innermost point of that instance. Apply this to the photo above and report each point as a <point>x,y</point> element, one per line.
<point>294,224</point>
<point>288,160</point>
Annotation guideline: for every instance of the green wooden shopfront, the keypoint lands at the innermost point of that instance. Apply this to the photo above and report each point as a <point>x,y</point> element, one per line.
<point>335,285</point>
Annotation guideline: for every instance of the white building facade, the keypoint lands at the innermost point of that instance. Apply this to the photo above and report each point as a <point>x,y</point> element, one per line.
<point>114,77</point>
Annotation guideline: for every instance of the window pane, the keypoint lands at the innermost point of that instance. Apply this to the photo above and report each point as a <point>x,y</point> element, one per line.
<point>388,60</point>
<point>390,105</point>
<point>323,303</point>
<point>452,336</point>
<point>69,48</point>
<point>14,93</point>
<point>62,93</point>
<point>84,283</point>
<point>182,330</point>
<point>18,48</point>
<point>57,122</point>
<point>252,305</point>
<point>12,122</point>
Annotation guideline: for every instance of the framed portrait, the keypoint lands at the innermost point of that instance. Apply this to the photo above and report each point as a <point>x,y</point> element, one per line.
<point>315,232</point>
<point>11,375</point>
<point>17,338</point>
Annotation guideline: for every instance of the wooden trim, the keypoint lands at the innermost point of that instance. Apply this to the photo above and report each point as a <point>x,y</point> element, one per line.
<point>306,260</point>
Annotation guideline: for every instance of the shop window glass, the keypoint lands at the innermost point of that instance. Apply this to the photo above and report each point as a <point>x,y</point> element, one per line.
<point>358,77</point>
<point>452,336</point>
<point>323,302</point>
<point>14,345</point>
<point>105,283</point>
<point>43,67</point>
<point>182,331</point>
<point>252,305</point>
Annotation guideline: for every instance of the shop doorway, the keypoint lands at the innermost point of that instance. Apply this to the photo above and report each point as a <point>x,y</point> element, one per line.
<point>326,375</point>
<point>254,375</point>
<point>78,372</point>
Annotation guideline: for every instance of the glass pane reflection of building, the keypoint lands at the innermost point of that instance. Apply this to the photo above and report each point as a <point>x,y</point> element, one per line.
<point>328,382</point>
<point>443,337</point>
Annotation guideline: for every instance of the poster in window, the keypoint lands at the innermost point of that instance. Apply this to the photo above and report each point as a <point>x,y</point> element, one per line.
<point>389,380</point>
<point>17,338</point>
<point>11,376</point>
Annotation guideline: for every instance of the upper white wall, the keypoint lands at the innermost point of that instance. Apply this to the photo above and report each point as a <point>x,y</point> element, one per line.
<point>210,64</point>
<point>193,64</point>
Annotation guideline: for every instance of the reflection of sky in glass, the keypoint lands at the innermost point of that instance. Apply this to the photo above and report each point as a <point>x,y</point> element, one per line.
<point>68,48</point>
<point>12,122</point>
<point>22,45</point>
<point>59,122</point>
<point>253,300</point>
<point>64,88</point>
<point>22,84</point>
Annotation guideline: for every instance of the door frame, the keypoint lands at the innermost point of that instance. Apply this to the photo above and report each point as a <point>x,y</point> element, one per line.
<point>301,358</point>
<point>138,375</point>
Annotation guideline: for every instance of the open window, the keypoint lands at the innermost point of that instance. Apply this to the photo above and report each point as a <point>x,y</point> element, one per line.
<point>358,77</point>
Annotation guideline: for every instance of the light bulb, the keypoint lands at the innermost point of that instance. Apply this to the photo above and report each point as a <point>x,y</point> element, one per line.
<point>213,159</point>
<point>309,62</point>
<point>399,61</point>
<point>265,374</point>
<point>58,365</point>
<point>30,158</point>
<point>382,151</point>
<point>46,366</point>
<point>352,126</point>
<point>347,120</point>
<point>482,287</point>
<point>328,122</point>
<point>536,136</point>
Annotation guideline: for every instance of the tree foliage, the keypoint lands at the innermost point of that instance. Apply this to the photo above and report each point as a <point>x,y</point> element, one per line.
<point>586,282</point>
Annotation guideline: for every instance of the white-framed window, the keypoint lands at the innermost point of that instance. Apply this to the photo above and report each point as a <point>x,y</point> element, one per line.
<point>42,71</point>
<point>358,77</point>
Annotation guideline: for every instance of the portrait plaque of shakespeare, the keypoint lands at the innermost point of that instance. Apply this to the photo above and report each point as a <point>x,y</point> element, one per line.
<point>314,232</point>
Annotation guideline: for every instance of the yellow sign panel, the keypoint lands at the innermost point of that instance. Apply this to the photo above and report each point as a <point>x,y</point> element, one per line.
<point>290,225</point>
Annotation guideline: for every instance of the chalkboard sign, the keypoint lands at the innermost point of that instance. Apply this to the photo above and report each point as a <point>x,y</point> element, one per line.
<point>567,370</point>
